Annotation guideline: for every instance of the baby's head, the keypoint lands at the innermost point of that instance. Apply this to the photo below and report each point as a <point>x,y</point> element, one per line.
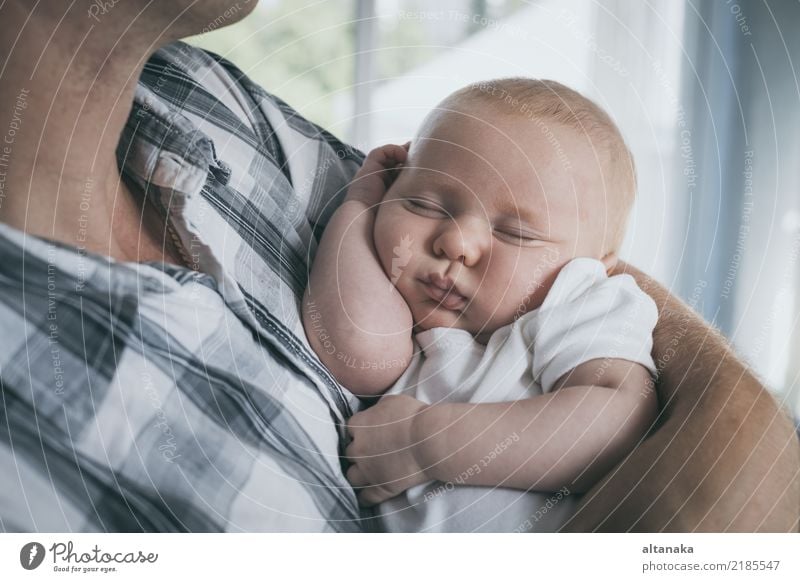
<point>505,183</point>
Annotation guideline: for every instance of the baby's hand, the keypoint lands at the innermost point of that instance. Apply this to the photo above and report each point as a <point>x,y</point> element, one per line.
<point>377,173</point>
<point>383,449</point>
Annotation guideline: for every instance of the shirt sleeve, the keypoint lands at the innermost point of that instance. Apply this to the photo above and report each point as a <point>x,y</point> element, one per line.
<point>588,315</point>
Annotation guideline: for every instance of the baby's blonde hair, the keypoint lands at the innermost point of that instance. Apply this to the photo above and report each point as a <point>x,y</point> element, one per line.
<point>539,100</point>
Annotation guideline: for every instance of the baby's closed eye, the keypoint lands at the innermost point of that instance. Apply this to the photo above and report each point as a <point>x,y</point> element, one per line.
<point>511,235</point>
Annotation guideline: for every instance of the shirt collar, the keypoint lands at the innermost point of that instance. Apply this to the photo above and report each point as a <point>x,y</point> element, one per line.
<point>159,147</point>
<point>169,160</point>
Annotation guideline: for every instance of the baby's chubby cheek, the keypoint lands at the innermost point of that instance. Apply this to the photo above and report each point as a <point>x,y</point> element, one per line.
<point>395,246</point>
<point>381,241</point>
<point>534,282</point>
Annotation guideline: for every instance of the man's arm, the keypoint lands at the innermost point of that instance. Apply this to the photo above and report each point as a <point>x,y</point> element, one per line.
<point>724,458</point>
<point>355,320</point>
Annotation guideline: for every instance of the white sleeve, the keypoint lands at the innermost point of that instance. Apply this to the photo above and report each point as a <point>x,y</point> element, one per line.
<point>588,315</point>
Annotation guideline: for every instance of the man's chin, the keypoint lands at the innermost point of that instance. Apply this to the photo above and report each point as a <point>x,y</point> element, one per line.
<point>201,16</point>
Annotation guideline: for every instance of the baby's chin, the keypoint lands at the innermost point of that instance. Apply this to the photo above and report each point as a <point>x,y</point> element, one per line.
<point>427,316</point>
<point>432,319</point>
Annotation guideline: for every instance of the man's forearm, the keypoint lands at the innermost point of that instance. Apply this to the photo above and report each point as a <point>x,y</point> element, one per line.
<point>352,314</point>
<point>567,438</point>
<point>725,457</point>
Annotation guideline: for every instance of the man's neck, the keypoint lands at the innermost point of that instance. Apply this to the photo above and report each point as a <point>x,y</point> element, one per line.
<point>66,92</point>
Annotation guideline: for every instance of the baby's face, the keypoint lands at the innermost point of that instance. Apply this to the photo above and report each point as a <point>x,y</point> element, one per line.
<point>477,225</point>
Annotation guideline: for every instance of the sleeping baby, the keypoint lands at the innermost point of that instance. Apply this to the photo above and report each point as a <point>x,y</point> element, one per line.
<point>466,280</point>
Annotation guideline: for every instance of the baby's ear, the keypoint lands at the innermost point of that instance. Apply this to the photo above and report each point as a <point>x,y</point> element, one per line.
<point>610,261</point>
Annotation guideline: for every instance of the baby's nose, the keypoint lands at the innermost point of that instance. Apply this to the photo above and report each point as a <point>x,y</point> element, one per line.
<point>462,240</point>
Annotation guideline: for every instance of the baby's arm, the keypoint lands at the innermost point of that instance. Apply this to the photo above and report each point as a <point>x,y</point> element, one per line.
<point>355,320</point>
<point>569,437</point>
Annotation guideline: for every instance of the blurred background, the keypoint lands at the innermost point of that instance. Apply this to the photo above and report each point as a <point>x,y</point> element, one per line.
<point>706,94</point>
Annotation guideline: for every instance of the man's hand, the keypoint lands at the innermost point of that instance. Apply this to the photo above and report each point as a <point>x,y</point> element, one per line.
<point>377,173</point>
<point>384,449</point>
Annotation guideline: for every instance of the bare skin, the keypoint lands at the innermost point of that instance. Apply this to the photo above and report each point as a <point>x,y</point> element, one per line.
<point>79,76</point>
<point>725,456</point>
<point>732,463</point>
<point>569,437</point>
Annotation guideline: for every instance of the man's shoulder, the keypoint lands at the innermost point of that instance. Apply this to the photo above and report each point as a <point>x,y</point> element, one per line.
<point>183,56</point>
<point>182,61</point>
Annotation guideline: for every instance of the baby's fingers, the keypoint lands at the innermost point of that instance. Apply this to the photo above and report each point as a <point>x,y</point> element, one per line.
<point>372,495</point>
<point>383,162</point>
<point>356,477</point>
<point>386,157</point>
<point>377,173</point>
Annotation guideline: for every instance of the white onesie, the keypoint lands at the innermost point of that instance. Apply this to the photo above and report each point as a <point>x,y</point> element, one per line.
<point>585,316</point>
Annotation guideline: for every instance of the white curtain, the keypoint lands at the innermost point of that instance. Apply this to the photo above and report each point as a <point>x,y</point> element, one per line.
<point>741,88</point>
<point>710,101</point>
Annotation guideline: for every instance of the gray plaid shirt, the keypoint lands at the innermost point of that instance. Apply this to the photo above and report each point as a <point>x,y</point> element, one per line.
<point>150,397</point>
